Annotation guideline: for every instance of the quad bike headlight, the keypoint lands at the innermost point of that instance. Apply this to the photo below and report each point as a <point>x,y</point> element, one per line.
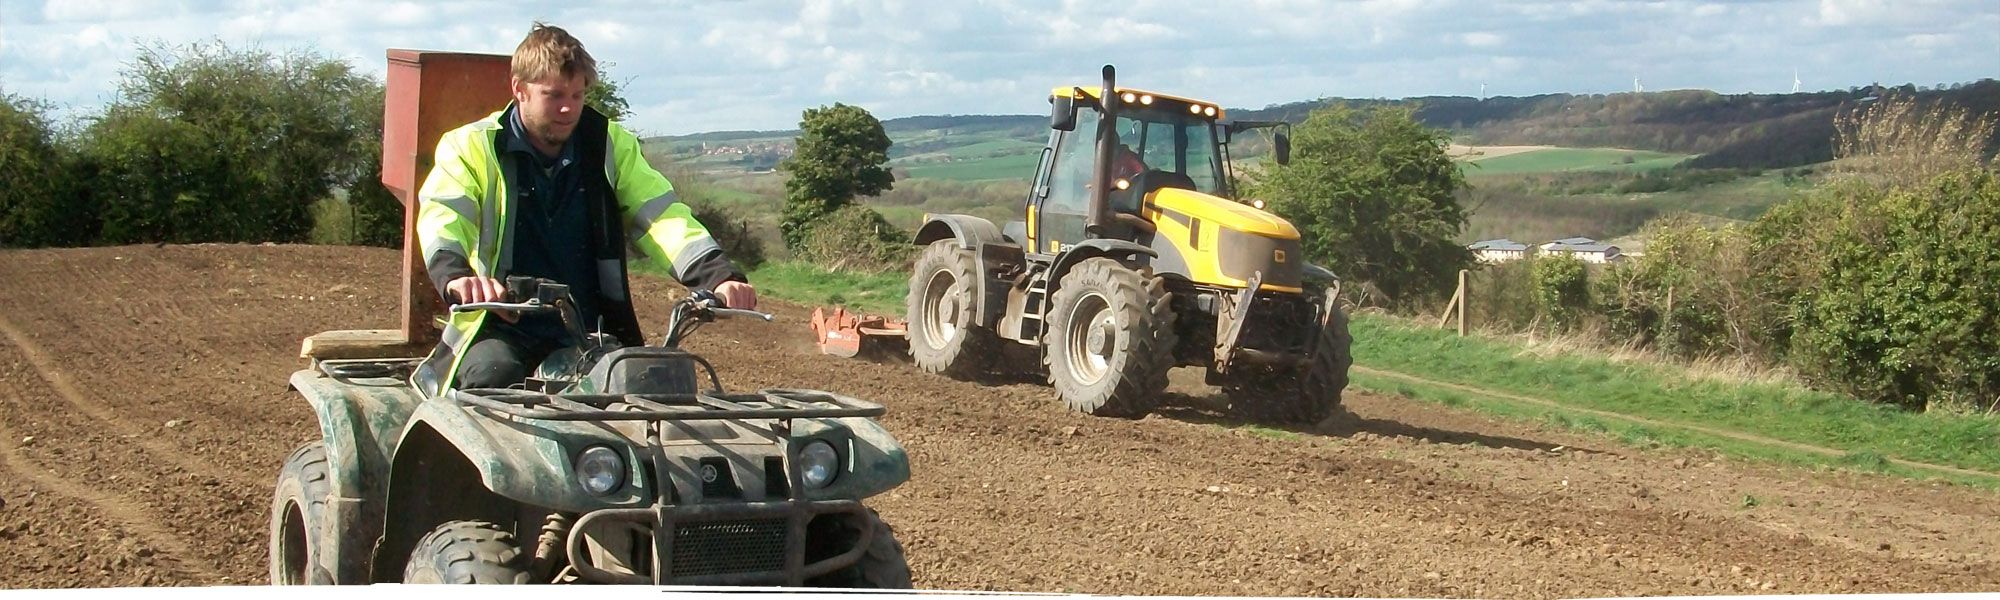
<point>600,470</point>
<point>819,464</point>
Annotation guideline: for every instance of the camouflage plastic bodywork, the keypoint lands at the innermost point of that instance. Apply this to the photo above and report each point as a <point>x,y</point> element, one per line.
<point>365,421</point>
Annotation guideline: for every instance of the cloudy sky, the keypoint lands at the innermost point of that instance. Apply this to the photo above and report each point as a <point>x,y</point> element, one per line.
<point>693,65</point>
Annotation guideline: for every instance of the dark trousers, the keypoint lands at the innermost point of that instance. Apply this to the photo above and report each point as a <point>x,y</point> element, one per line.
<point>500,356</point>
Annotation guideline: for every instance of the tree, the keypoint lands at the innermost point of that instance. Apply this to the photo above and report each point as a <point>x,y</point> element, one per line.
<point>37,203</point>
<point>604,95</point>
<point>841,153</point>
<point>1375,197</point>
<point>211,143</point>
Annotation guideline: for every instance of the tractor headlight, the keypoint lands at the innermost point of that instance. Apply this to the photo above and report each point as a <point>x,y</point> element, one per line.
<point>1258,204</point>
<point>818,464</point>
<point>600,470</point>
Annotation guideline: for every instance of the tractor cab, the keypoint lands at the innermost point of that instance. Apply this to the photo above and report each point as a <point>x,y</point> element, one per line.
<point>1155,141</point>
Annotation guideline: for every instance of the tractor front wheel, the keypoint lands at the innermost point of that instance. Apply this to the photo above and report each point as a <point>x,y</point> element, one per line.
<point>1111,339</point>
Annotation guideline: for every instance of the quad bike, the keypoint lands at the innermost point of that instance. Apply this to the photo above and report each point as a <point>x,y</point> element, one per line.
<point>623,465</point>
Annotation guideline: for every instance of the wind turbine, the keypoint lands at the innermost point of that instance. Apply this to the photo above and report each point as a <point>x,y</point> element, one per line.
<point>1482,91</point>
<point>1795,81</point>
<point>1636,88</point>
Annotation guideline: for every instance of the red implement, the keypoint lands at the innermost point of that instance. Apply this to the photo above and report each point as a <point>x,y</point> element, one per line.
<point>845,334</point>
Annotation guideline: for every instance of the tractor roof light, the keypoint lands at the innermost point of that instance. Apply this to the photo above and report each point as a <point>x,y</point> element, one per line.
<point>1146,100</point>
<point>1129,97</point>
<point>1122,184</point>
<point>1194,108</point>
<point>1210,111</point>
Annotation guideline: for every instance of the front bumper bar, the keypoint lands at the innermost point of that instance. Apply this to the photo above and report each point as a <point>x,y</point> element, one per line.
<point>670,523</point>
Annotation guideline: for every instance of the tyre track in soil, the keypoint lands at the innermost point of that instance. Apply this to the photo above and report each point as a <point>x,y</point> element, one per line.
<point>130,515</point>
<point>1001,461</point>
<point>45,368</point>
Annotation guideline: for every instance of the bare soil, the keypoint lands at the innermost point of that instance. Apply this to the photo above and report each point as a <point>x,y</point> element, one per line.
<point>144,416</point>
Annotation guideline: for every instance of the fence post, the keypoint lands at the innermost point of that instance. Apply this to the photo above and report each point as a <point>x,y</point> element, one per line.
<point>1460,301</point>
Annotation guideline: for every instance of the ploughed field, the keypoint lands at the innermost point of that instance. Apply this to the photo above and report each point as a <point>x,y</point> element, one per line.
<point>144,415</point>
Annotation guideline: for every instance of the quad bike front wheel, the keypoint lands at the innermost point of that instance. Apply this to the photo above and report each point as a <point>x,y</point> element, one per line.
<point>299,528</point>
<point>882,565</point>
<point>467,552</point>
<point>1111,339</point>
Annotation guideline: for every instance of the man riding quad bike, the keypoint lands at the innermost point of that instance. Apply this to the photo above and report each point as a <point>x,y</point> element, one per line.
<point>609,464</point>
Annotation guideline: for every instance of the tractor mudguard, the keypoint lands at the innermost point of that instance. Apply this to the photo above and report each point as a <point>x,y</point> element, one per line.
<point>970,231</point>
<point>1075,253</point>
<point>973,233</point>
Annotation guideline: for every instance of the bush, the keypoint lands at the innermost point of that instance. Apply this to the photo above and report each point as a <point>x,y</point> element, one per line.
<point>1498,296</point>
<point>857,238</point>
<point>732,233</point>
<point>1693,294</point>
<point>38,206</point>
<point>1560,289</point>
<point>1905,299</point>
<point>214,144</point>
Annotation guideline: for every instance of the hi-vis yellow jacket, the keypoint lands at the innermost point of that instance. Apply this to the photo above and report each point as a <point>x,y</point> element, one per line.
<point>463,226</point>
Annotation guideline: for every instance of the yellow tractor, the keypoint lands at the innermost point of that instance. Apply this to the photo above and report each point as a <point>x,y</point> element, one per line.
<point>1130,259</point>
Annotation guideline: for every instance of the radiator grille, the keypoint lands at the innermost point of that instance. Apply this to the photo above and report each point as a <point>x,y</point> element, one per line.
<point>717,547</point>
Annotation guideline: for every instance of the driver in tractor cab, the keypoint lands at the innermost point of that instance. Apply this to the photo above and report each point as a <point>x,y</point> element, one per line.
<point>1126,164</point>
<point>548,187</point>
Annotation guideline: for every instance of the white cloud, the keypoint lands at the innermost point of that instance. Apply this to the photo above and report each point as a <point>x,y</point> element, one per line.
<point>1482,39</point>
<point>754,64</point>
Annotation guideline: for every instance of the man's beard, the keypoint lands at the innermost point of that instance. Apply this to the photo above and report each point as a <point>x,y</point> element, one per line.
<point>546,133</point>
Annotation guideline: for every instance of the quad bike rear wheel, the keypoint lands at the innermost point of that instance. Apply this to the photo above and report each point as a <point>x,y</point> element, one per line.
<point>300,546</point>
<point>467,552</point>
<point>944,331</point>
<point>1111,339</point>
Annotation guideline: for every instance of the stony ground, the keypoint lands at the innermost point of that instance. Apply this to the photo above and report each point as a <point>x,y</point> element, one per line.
<point>144,415</point>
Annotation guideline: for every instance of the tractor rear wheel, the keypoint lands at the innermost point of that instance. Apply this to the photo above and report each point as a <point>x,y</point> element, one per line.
<point>300,547</point>
<point>1111,339</point>
<point>943,320</point>
<point>467,552</point>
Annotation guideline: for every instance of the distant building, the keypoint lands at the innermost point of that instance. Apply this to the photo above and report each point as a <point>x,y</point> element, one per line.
<point>1585,249</point>
<point>1498,251</point>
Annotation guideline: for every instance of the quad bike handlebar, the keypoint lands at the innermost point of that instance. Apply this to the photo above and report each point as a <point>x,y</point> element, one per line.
<point>545,295</point>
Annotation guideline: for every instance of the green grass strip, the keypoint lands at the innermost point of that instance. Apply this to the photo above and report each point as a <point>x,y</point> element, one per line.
<point>1668,394</point>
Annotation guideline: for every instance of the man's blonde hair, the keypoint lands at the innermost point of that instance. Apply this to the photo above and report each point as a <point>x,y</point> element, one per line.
<point>550,52</point>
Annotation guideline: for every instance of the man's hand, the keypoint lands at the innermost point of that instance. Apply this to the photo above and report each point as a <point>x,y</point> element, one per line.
<point>737,294</point>
<point>474,289</point>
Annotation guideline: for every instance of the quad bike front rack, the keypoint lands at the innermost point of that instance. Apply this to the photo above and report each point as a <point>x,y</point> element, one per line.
<point>764,404</point>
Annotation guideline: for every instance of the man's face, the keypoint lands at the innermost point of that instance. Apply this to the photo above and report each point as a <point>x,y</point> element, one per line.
<point>550,107</point>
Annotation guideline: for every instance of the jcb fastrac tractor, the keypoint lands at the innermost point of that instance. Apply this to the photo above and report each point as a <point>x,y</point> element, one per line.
<point>1131,258</point>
